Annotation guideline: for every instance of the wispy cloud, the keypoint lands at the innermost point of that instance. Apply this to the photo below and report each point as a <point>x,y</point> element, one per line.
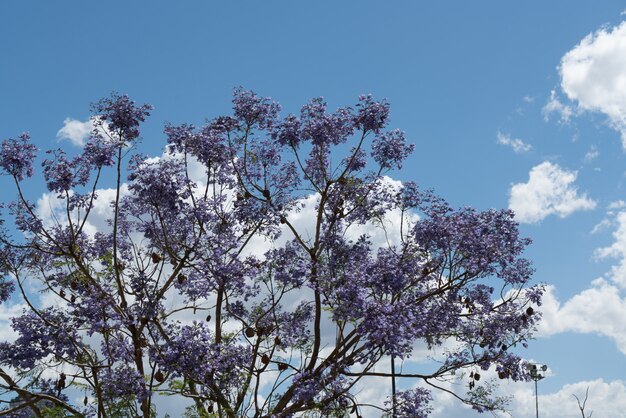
<point>555,106</point>
<point>516,144</point>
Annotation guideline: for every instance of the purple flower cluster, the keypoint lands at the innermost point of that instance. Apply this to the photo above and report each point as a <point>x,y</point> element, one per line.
<point>17,155</point>
<point>6,288</point>
<point>122,115</point>
<point>413,403</point>
<point>390,149</point>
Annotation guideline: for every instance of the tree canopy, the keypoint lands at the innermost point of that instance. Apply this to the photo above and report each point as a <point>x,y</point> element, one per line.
<point>244,270</point>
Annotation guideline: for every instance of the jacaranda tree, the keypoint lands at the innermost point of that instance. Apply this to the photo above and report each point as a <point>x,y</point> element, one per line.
<point>202,286</point>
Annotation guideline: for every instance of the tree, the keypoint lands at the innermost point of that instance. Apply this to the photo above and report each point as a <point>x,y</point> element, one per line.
<point>169,298</point>
<point>582,405</point>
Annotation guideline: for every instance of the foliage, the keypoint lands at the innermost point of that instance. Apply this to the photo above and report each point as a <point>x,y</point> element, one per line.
<point>207,284</point>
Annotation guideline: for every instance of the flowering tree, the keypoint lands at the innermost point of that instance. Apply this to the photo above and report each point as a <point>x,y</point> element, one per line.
<point>204,286</point>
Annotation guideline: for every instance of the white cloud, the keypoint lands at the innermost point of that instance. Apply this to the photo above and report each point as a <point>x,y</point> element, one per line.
<point>592,154</point>
<point>618,204</point>
<point>606,399</point>
<point>593,75</point>
<point>75,131</point>
<point>518,145</point>
<point>601,226</point>
<point>554,105</point>
<point>599,310</point>
<point>549,190</point>
<point>617,250</point>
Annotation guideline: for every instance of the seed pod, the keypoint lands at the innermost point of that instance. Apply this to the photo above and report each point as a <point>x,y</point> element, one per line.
<point>476,376</point>
<point>85,401</point>
<point>277,340</point>
<point>156,258</point>
<point>247,195</point>
<point>250,332</point>
<point>282,366</point>
<point>266,194</point>
<point>73,285</point>
<point>283,220</point>
<point>73,299</point>
<point>181,278</point>
<point>158,376</point>
<point>530,311</point>
<point>503,347</point>
<point>502,375</point>
<point>62,293</point>
<point>265,359</point>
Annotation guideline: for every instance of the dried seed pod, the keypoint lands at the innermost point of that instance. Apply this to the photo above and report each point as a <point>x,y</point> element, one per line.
<point>73,285</point>
<point>266,194</point>
<point>156,258</point>
<point>277,340</point>
<point>476,376</point>
<point>62,293</point>
<point>530,311</point>
<point>502,374</point>
<point>282,366</point>
<point>158,376</point>
<point>250,332</point>
<point>208,318</point>
<point>181,278</point>
<point>265,359</point>
<point>73,299</point>
<point>85,401</point>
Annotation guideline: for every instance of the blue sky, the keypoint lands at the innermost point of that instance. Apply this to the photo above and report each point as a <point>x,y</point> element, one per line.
<point>489,92</point>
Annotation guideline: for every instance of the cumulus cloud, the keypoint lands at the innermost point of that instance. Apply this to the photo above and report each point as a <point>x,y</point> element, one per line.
<point>516,144</point>
<point>617,250</point>
<point>606,399</point>
<point>593,75</point>
<point>75,131</point>
<point>549,190</point>
<point>600,310</point>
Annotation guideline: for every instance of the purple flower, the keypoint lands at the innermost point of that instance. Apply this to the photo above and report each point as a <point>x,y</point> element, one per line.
<point>17,155</point>
<point>390,149</point>
<point>121,115</point>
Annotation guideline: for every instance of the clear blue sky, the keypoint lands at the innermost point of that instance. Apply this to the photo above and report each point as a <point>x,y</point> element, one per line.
<point>465,80</point>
